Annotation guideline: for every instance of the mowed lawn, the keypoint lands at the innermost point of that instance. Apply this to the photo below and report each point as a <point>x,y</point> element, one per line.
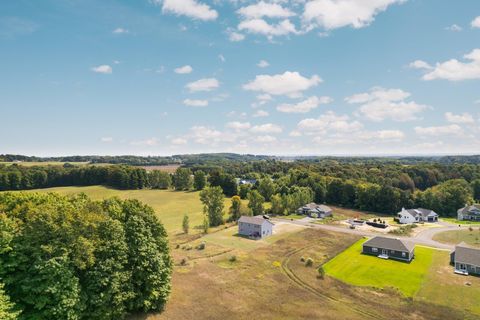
<point>353,267</point>
<point>170,206</point>
<point>457,236</point>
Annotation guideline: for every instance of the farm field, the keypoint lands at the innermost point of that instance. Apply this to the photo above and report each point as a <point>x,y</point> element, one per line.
<point>46,163</point>
<point>272,278</point>
<point>170,168</point>
<point>353,267</point>
<point>457,236</point>
<point>169,205</point>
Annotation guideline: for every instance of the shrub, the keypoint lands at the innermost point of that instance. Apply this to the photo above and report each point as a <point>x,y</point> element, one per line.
<point>309,262</point>
<point>233,259</point>
<point>183,262</point>
<point>321,272</point>
<point>302,259</point>
<point>201,246</point>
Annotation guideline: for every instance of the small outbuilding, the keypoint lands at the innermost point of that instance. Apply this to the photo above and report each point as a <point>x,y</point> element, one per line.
<point>390,248</point>
<point>466,259</point>
<point>315,210</point>
<point>470,213</point>
<point>417,215</point>
<point>255,227</point>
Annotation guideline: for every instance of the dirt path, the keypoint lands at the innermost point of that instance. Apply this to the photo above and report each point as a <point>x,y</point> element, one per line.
<point>299,282</point>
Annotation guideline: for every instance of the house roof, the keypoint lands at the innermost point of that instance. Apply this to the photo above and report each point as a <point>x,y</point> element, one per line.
<point>390,244</point>
<point>421,212</point>
<point>258,220</point>
<point>474,208</point>
<point>467,255</point>
<point>319,207</point>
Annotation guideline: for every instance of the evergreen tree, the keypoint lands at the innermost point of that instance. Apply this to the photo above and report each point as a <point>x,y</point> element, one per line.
<point>185,224</point>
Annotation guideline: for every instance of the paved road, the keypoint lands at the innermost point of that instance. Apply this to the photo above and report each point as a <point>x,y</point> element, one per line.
<point>424,237</point>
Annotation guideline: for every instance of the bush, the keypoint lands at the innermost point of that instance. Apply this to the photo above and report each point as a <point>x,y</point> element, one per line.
<point>309,262</point>
<point>201,246</point>
<point>302,259</point>
<point>183,262</point>
<point>321,272</point>
<point>233,259</point>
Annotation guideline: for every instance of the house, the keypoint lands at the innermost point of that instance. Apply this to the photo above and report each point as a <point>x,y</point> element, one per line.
<point>315,210</point>
<point>246,181</point>
<point>466,259</point>
<point>469,213</point>
<point>389,248</point>
<point>417,215</point>
<point>255,227</point>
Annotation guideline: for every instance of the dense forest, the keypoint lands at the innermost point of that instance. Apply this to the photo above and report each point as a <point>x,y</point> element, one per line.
<point>73,258</point>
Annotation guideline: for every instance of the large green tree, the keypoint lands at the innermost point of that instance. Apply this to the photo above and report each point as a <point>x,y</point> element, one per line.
<point>182,179</point>
<point>255,202</point>
<point>213,205</point>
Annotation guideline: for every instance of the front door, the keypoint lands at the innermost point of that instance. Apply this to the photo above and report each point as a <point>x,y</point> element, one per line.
<point>384,252</point>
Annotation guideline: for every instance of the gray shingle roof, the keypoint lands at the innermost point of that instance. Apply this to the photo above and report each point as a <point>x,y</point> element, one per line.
<point>253,220</point>
<point>469,209</point>
<point>390,244</point>
<point>467,255</point>
<point>314,206</point>
<point>420,212</point>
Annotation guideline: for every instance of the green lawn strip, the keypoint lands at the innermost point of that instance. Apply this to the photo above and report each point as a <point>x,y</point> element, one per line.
<point>455,221</point>
<point>353,267</point>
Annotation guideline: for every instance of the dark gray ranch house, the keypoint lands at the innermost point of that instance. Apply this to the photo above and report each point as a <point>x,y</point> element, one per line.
<point>466,259</point>
<point>390,248</point>
<point>469,213</point>
<point>315,210</point>
<point>255,227</point>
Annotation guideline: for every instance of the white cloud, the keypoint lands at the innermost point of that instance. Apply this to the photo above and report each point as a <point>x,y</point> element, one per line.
<point>305,105</point>
<point>288,83</point>
<point>454,27</point>
<point>184,70</point>
<point>263,64</point>
<point>476,22</point>
<point>333,14</point>
<point>195,103</point>
<point>260,26</point>
<point>207,84</point>
<point>222,58</point>
<point>178,141</point>
<point>380,104</point>
<point>265,139</point>
<point>147,142</point>
<point>260,114</point>
<point>120,31</point>
<point>453,129</point>
<point>104,68</point>
<point>189,8</point>
<point>295,133</point>
<point>419,64</point>
<point>235,36</point>
<point>106,139</point>
<point>205,135</point>
<point>391,135</point>
<point>329,122</point>
<point>455,70</point>
<point>266,128</point>
<point>264,9</point>
<point>465,118</point>
<point>236,125</point>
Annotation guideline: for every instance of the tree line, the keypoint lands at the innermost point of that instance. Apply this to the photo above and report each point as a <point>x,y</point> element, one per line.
<point>74,258</point>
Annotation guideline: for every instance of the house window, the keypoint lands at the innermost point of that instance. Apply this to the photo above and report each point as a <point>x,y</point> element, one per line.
<point>374,250</point>
<point>404,254</point>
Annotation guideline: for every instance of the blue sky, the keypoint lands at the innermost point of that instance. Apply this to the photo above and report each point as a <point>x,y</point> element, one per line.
<point>309,77</point>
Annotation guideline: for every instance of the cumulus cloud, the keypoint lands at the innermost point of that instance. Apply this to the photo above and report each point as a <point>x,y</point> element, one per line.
<point>260,26</point>
<point>465,118</point>
<point>190,8</point>
<point>179,141</point>
<point>419,64</point>
<point>207,84</point>
<point>147,142</point>
<point>454,27</point>
<point>265,139</point>
<point>305,105</point>
<point>120,31</point>
<point>289,83</point>
<point>263,64</point>
<point>455,70</point>
<point>184,70</point>
<point>104,68</point>
<point>391,135</point>
<point>476,22</point>
<point>205,135</point>
<point>260,114</point>
<point>379,104</point>
<point>237,125</point>
<point>265,9</point>
<point>195,103</point>
<point>235,36</point>
<point>266,128</point>
<point>453,129</point>
<point>329,122</point>
<point>333,14</point>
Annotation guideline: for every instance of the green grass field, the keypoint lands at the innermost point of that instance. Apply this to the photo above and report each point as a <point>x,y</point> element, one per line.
<point>455,221</point>
<point>169,205</point>
<point>353,267</point>
<point>457,236</point>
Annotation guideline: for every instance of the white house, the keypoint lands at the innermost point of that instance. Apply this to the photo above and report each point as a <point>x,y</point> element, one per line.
<point>255,227</point>
<point>417,215</point>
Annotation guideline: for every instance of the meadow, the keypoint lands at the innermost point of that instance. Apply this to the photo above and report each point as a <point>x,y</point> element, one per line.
<point>471,237</point>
